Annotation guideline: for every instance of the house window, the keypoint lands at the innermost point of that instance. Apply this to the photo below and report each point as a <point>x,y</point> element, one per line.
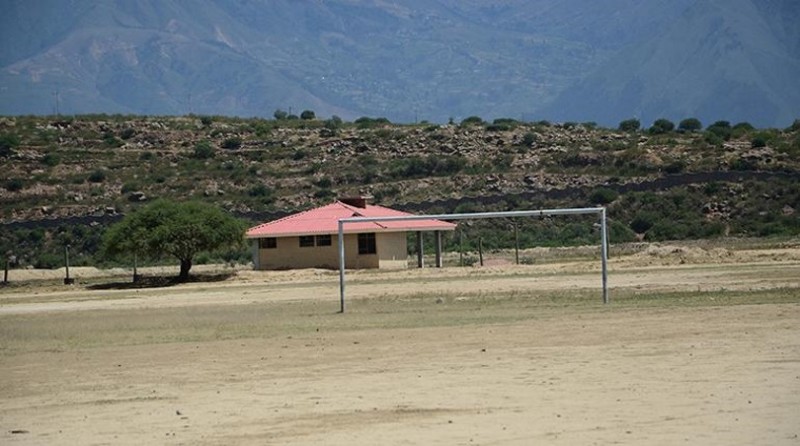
<point>306,241</point>
<point>268,243</point>
<point>324,240</point>
<point>366,243</point>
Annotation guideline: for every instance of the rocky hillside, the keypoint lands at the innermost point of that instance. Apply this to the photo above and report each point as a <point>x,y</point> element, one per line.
<point>659,183</point>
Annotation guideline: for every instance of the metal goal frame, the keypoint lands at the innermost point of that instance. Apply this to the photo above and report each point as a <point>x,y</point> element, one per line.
<point>475,216</point>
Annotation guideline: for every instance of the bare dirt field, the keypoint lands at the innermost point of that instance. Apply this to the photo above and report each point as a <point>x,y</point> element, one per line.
<point>698,346</point>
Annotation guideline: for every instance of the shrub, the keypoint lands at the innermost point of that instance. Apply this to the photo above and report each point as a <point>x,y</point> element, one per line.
<point>130,186</point>
<point>365,122</point>
<point>472,120</point>
<point>259,190</point>
<point>206,121</point>
<point>642,222</point>
<point>299,154</point>
<point>127,133</point>
<point>111,141</point>
<point>529,138</point>
<point>98,176</point>
<point>505,121</point>
<point>48,260</point>
<point>14,185</point>
<point>8,142</point>
<point>308,115</point>
<point>675,167</point>
<point>203,150</point>
<point>232,143</point>
<point>603,195</point>
<point>51,159</point>
<point>324,183</point>
<point>498,128</point>
<point>690,125</point>
<point>795,126</point>
<point>758,141</point>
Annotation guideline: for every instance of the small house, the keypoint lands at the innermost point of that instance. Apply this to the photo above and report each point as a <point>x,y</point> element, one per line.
<point>309,239</point>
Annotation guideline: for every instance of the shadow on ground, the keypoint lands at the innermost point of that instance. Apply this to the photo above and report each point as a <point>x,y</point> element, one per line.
<point>161,281</point>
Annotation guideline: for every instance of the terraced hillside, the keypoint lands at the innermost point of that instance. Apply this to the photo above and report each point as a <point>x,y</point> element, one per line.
<point>658,183</point>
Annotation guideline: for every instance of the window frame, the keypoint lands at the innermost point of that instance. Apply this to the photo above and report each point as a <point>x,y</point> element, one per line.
<point>268,243</point>
<point>367,243</point>
<point>306,241</point>
<point>323,240</point>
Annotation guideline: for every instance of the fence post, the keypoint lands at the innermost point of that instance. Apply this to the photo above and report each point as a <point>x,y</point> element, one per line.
<point>67,279</point>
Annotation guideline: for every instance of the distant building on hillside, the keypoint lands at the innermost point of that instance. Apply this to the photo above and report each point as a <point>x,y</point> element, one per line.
<point>309,239</point>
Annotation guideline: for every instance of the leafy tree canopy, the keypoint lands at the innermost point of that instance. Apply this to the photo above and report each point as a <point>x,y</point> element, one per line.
<point>179,230</point>
<point>662,126</point>
<point>630,125</point>
<point>690,125</point>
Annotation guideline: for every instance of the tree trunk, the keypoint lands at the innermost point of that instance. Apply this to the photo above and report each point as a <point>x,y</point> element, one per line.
<point>186,265</point>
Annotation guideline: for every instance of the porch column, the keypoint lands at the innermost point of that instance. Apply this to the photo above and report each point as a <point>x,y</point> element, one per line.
<point>420,260</point>
<point>438,248</point>
<point>256,254</point>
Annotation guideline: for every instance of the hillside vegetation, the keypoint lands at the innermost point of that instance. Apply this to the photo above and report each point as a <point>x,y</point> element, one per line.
<point>663,182</point>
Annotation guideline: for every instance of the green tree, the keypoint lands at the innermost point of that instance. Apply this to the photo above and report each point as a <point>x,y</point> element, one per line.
<point>630,125</point>
<point>308,115</point>
<point>722,129</point>
<point>179,230</point>
<point>690,125</point>
<point>662,126</point>
<point>280,115</point>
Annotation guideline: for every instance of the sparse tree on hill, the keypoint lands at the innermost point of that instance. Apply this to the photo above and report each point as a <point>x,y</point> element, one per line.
<point>630,125</point>
<point>690,125</point>
<point>179,230</point>
<point>308,115</point>
<point>662,126</point>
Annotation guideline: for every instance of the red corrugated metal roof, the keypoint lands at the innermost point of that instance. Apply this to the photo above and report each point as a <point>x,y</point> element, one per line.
<point>325,220</point>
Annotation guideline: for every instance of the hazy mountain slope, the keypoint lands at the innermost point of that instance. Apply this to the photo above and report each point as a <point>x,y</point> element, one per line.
<point>406,60</point>
<point>732,60</point>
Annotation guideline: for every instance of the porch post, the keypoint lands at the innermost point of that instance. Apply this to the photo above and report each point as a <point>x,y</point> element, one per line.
<point>420,260</point>
<point>254,250</point>
<point>438,248</point>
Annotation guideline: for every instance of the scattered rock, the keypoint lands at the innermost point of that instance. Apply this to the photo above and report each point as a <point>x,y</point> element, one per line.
<point>137,196</point>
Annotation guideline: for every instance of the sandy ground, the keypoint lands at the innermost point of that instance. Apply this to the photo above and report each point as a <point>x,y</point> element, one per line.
<point>585,374</point>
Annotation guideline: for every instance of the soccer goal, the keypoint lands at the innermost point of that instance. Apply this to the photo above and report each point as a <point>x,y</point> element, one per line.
<point>601,211</point>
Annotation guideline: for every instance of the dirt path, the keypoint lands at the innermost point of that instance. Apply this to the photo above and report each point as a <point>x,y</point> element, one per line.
<point>585,374</point>
<point>250,287</point>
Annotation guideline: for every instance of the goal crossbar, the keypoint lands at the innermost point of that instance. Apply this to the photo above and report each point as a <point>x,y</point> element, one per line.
<point>475,216</point>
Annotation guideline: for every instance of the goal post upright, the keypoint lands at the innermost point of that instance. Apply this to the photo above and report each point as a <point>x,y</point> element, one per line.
<point>603,253</point>
<point>475,216</point>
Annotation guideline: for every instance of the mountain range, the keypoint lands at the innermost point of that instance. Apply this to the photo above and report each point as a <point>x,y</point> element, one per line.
<point>406,60</point>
